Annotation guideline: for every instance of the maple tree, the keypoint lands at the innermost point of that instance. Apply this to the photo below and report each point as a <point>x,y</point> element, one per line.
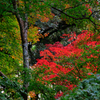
<point>67,65</point>
<point>27,12</point>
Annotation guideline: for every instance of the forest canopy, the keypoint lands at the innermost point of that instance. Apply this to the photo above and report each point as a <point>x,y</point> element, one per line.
<point>48,47</point>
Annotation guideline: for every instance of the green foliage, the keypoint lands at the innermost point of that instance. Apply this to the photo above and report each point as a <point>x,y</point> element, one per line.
<point>9,46</point>
<point>39,87</point>
<point>86,90</point>
<point>11,90</point>
<point>45,91</point>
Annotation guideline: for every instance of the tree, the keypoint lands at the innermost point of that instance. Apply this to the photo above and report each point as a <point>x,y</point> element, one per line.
<point>23,10</point>
<point>67,19</point>
<point>67,65</point>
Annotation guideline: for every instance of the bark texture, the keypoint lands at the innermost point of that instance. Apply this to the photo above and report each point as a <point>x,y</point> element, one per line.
<point>23,24</point>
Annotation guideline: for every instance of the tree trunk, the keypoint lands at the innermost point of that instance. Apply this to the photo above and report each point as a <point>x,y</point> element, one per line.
<point>23,24</point>
<point>23,30</point>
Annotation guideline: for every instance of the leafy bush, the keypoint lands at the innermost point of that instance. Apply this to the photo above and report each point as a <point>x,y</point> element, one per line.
<point>88,89</point>
<point>68,65</point>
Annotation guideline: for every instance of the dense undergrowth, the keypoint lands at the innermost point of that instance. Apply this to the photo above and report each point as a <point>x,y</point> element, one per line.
<point>86,90</point>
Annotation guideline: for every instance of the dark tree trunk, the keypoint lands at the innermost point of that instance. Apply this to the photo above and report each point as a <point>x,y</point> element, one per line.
<point>23,30</point>
<point>23,24</point>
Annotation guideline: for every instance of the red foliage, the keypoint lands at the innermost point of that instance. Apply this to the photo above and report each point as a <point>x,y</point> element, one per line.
<point>59,94</point>
<point>89,9</point>
<point>53,56</point>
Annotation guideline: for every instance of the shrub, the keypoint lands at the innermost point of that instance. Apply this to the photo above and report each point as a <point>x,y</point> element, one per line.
<point>88,89</point>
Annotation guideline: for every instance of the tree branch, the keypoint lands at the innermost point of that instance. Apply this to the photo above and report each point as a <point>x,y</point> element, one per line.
<point>70,15</point>
<point>60,27</point>
<point>79,18</point>
<point>2,75</point>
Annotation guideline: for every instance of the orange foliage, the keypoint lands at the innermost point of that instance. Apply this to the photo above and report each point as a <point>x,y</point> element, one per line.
<point>98,27</point>
<point>45,17</point>
<point>1,48</point>
<point>67,6</point>
<point>13,57</point>
<point>32,95</point>
<point>46,34</point>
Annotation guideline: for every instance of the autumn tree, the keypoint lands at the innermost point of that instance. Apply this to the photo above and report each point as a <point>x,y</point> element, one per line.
<point>22,10</point>
<point>67,19</point>
<point>26,12</point>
